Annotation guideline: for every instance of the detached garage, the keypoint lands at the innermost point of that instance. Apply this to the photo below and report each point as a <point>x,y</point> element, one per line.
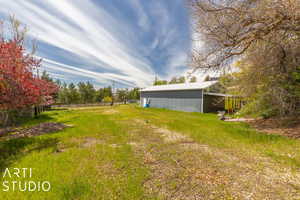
<point>189,97</point>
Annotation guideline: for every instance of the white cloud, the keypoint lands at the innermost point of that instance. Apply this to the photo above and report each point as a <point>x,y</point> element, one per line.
<point>102,78</point>
<point>143,20</point>
<point>92,34</point>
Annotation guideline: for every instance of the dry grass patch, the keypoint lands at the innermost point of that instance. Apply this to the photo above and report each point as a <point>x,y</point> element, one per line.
<point>110,112</point>
<point>90,141</point>
<point>184,169</point>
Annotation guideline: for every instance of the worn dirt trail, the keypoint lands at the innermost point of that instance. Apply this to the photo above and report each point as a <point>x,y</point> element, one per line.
<point>184,169</point>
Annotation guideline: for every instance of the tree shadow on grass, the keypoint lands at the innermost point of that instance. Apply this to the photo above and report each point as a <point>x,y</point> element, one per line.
<point>14,149</point>
<point>58,109</point>
<point>33,121</point>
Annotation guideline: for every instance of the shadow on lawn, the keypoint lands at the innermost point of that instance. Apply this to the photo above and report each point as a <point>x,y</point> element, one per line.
<point>58,109</point>
<point>13,149</point>
<point>32,121</point>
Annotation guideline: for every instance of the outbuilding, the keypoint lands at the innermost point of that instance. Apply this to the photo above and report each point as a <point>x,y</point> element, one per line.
<point>189,97</point>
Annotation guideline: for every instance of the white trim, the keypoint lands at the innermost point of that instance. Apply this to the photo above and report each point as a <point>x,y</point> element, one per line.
<point>182,86</point>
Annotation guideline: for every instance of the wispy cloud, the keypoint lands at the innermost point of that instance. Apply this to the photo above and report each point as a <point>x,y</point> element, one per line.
<point>96,42</point>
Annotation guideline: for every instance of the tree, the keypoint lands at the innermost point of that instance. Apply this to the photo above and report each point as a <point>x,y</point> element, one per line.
<point>103,92</point>
<point>99,95</point>
<point>107,92</point>
<point>176,80</point>
<point>72,94</point>
<point>264,36</point>
<point>107,99</point>
<point>207,78</point>
<point>173,80</point>
<point>19,87</point>
<point>160,82</point>
<point>58,82</point>
<point>87,92</point>
<point>181,79</point>
<point>230,28</point>
<point>134,94</point>
<point>45,76</point>
<point>90,92</point>
<point>63,94</point>
<point>122,95</point>
<point>193,79</point>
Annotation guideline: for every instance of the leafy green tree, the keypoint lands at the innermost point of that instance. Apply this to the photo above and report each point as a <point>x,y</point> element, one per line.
<point>176,80</point>
<point>91,92</point>
<point>181,79</point>
<point>107,99</point>
<point>63,94</point>
<point>122,95</point>
<point>82,92</point>
<point>73,95</point>
<point>160,82</point>
<point>107,91</point>
<point>134,94</point>
<point>58,82</point>
<point>99,95</point>
<point>87,92</point>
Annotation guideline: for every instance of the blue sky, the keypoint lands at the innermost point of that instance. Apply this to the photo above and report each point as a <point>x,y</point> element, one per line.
<point>128,41</point>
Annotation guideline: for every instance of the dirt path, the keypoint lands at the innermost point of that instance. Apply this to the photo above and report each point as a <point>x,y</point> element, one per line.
<point>183,169</point>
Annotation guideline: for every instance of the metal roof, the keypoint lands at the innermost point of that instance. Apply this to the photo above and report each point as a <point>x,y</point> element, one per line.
<point>181,86</point>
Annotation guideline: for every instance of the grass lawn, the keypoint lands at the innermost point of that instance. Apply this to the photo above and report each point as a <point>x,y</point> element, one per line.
<point>127,152</point>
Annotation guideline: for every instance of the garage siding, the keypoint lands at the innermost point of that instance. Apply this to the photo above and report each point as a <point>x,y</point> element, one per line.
<point>187,100</point>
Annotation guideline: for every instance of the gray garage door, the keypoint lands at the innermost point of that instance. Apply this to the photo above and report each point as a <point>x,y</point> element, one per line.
<point>187,100</point>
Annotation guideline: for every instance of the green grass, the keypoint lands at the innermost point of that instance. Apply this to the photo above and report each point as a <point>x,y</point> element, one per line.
<point>234,136</point>
<point>78,173</point>
<point>110,169</point>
